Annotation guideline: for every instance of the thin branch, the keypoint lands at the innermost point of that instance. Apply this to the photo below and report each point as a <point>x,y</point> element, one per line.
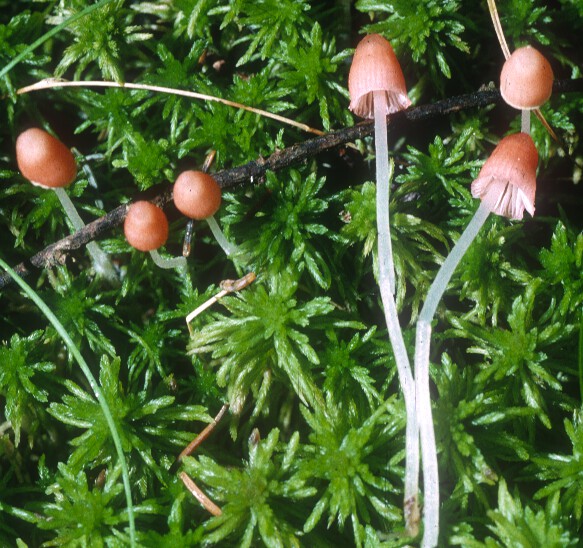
<point>254,171</point>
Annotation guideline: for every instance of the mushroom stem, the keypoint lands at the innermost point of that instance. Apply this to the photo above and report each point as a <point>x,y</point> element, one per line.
<point>525,122</point>
<point>175,262</point>
<point>411,487</point>
<point>396,337</point>
<point>445,273</point>
<point>101,262</point>
<point>423,398</point>
<point>228,247</point>
<point>385,255</point>
<point>427,436</point>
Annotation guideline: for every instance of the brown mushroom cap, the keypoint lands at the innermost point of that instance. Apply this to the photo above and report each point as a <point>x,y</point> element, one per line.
<point>145,226</point>
<point>375,67</point>
<point>44,160</point>
<point>506,183</point>
<point>526,80</point>
<point>196,194</point>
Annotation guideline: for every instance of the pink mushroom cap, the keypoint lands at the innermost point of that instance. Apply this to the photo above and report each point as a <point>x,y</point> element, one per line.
<point>44,160</point>
<point>526,80</point>
<point>196,194</point>
<point>145,226</point>
<point>506,183</point>
<point>375,67</point>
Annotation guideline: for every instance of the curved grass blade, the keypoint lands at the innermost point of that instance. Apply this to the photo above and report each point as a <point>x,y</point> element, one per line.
<point>33,296</point>
<point>580,356</point>
<point>50,34</point>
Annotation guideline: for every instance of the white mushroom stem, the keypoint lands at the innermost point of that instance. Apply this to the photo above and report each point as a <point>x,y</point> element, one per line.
<point>175,262</point>
<point>385,255</point>
<point>229,248</point>
<point>423,399</point>
<point>525,125</point>
<point>101,262</point>
<point>407,383</point>
<point>384,176</point>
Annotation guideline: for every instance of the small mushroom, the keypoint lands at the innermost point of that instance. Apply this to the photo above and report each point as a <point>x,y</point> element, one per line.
<point>526,82</point>
<point>506,186</point>
<point>506,183</point>
<point>47,162</point>
<point>146,228</point>
<point>377,87</point>
<point>44,160</point>
<point>198,196</point>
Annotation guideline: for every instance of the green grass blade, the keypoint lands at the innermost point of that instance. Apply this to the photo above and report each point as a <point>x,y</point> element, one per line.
<point>581,356</point>
<point>50,34</point>
<point>30,292</point>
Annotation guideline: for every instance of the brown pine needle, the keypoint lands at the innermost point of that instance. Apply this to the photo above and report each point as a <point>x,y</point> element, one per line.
<point>498,28</point>
<point>50,83</point>
<point>191,447</point>
<point>196,491</point>
<point>199,495</point>
<point>546,125</point>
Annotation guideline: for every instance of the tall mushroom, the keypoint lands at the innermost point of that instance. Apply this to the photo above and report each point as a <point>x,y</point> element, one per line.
<point>526,82</point>
<point>47,162</point>
<point>377,87</point>
<point>506,186</point>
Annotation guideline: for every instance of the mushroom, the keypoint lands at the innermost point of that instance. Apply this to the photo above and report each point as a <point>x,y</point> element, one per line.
<point>526,82</point>
<point>506,186</point>
<point>506,183</point>
<point>44,160</point>
<point>146,228</point>
<point>198,196</point>
<point>47,162</point>
<point>377,87</point>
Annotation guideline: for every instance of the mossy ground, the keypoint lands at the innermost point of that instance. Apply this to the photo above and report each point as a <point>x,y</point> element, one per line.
<point>311,452</point>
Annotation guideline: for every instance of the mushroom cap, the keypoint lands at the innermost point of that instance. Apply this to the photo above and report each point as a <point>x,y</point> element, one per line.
<point>196,194</point>
<point>526,80</point>
<point>44,160</point>
<point>145,226</point>
<point>506,183</point>
<point>375,67</point>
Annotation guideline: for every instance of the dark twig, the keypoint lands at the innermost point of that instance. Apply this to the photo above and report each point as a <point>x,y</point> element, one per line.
<point>255,170</point>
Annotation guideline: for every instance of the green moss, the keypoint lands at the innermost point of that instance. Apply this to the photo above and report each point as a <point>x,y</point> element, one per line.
<point>312,449</point>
